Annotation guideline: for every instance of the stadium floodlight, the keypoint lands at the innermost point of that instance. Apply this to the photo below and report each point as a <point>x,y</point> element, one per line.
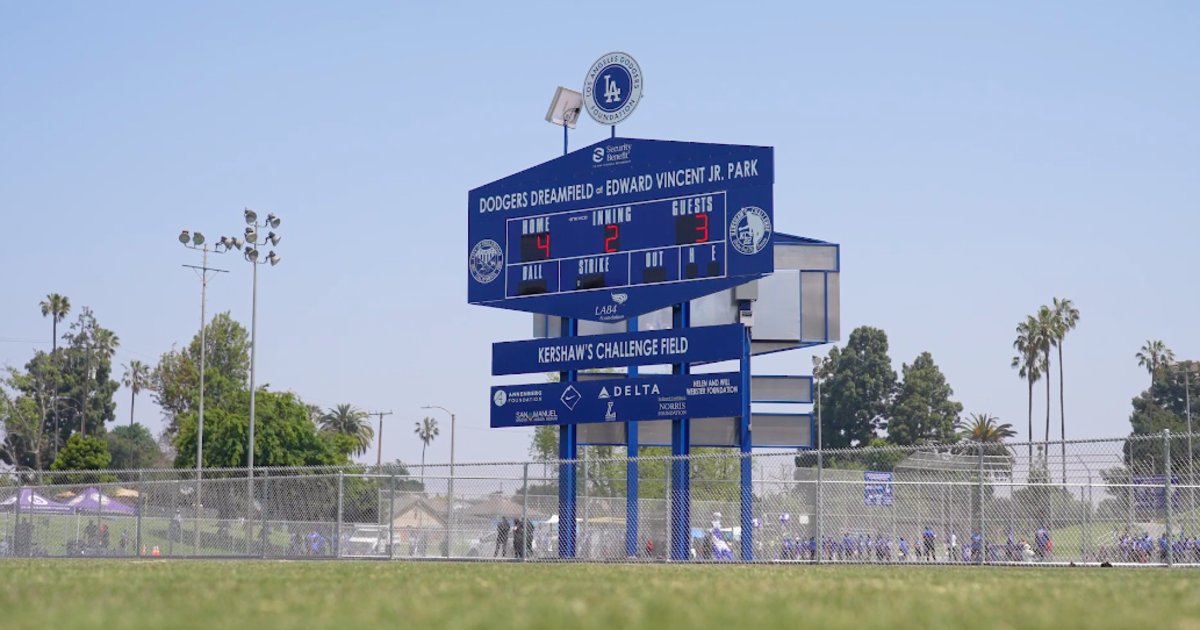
<point>251,234</point>
<point>272,220</point>
<point>273,238</point>
<point>197,239</point>
<point>251,253</point>
<point>251,216</point>
<point>184,237</point>
<point>272,258</point>
<point>565,107</point>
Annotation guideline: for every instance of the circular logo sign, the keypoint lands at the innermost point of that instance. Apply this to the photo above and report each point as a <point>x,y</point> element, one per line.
<point>500,398</point>
<point>750,230</point>
<point>612,88</point>
<point>486,261</point>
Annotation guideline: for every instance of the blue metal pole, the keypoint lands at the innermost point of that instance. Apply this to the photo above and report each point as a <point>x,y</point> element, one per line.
<point>567,452</point>
<point>614,131</point>
<point>681,448</point>
<point>631,470</point>
<point>746,444</point>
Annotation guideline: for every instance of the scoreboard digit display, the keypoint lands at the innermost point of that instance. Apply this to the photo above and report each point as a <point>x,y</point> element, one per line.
<point>610,247</point>
<point>622,228</point>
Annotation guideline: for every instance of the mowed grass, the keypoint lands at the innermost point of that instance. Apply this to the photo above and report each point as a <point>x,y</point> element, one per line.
<point>132,595</point>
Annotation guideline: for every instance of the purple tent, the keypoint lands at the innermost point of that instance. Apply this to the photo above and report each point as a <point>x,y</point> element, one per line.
<point>91,499</point>
<point>29,501</point>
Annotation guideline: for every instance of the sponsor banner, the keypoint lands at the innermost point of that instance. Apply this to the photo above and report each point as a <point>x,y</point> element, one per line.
<point>689,345</point>
<point>877,488</point>
<point>665,397</point>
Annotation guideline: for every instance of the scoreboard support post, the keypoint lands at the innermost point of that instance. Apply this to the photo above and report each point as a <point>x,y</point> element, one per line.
<point>567,452</point>
<point>631,469</point>
<point>746,444</point>
<point>681,447</point>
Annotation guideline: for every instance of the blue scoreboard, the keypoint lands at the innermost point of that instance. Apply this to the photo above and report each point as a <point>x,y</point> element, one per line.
<point>622,228</point>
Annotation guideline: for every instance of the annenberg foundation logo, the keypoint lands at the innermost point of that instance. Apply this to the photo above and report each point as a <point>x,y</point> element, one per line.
<point>750,230</point>
<point>500,398</point>
<point>612,88</point>
<point>486,261</point>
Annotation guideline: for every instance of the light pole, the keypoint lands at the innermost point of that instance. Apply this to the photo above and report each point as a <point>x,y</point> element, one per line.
<point>196,242</point>
<point>251,255</point>
<point>450,484</point>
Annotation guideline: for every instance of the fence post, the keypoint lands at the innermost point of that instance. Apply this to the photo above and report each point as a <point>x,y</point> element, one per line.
<point>337,532</point>
<point>983,542</point>
<point>667,463</point>
<point>391,521</point>
<point>137,532</point>
<point>524,505</point>
<point>16,537</point>
<point>1167,494</point>
<point>820,505</point>
<point>449,512</point>
<point>262,513</point>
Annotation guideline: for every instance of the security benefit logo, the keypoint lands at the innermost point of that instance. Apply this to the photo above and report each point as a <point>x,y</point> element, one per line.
<point>486,261</point>
<point>750,230</point>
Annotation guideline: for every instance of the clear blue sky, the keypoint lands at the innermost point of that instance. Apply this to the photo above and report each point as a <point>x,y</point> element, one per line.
<point>974,162</point>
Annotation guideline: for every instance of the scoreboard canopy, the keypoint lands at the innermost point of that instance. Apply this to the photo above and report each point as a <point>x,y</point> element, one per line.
<point>622,228</point>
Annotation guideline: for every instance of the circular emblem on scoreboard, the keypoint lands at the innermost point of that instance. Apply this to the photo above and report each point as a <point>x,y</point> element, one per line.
<point>486,261</point>
<point>500,398</point>
<point>750,230</point>
<point>612,88</point>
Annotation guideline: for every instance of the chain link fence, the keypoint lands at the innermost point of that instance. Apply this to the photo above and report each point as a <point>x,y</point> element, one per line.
<point>1131,500</point>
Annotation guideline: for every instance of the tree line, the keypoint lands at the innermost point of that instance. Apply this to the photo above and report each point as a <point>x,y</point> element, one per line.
<point>58,412</point>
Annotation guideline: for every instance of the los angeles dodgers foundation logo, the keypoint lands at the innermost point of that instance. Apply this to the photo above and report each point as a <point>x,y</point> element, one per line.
<point>750,230</point>
<point>486,261</point>
<point>612,88</point>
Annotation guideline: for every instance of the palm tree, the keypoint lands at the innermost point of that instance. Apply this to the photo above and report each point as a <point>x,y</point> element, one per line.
<point>55,307</point>
<point>351,422</point>
<point>1046,338</point>
<point>136,378</point>
<point>983,427</point>
<point>1153,356</point>
<point>1028,362</point>
<point>1066,317</point>
<point>426,431</point>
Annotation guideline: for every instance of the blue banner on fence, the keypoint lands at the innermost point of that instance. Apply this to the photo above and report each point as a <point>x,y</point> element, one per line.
<point>688,345</point>
<point>667,397</point>
<point>877,488</point>
<point>1150,492</point>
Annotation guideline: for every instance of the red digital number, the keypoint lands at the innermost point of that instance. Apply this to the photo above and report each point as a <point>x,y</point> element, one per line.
<point>544,245</point>
<point>702,228</point>
<point>611,243</point>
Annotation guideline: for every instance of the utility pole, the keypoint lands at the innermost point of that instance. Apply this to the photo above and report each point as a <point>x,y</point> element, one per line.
<point>379,437</point>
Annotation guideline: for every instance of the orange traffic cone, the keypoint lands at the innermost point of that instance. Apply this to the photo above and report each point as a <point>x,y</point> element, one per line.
<point>143,549</point>
<point>155,552</point>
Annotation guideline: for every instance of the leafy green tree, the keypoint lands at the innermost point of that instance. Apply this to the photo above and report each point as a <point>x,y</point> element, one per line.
<point>81,453</point>
<point>856,393</point>
<point>543,445</point>
<point>1028,364</point>
<point>345,420</point>
<point>131,447</point>
<point>56,307</point>
<point>923,412</point>
<point>25,404</point>
<point>86,386</point>
<point>985,428</point>
<point>1163,406</point>
<point>283,434</point>
<point>175,381</point>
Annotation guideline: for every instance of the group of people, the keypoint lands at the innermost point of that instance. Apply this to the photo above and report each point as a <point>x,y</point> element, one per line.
<point>924,547</point>
<point>521,532</point>
<point>1143,548</point>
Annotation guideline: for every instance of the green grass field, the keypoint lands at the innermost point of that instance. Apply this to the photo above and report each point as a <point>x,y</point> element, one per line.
<point>132,595</point>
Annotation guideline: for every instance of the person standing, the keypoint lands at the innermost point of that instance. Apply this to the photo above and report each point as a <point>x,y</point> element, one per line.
<point>502,530</point>
<point>518,536</point>
<point>930,550</point>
